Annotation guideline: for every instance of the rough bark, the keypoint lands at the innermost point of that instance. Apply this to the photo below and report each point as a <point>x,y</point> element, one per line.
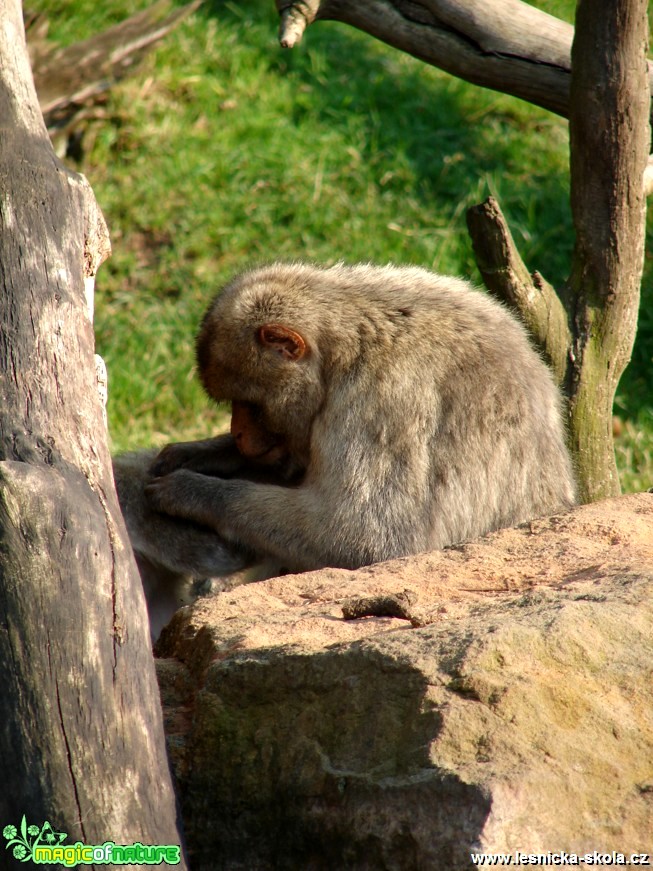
<point>609,141</point>
<point>506,277</point>
<point>81,738</point>
<point>588,331</point>
<point>505,45</point>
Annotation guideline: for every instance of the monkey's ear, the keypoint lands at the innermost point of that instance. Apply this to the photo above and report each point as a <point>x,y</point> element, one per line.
<point>286,342</point>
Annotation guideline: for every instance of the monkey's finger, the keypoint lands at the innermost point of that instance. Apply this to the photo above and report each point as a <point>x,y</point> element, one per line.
<point>167,460</point>
<point>158,495</point>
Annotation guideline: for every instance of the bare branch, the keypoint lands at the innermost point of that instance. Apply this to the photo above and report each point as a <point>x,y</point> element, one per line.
<point>295,18</point>
<point>67,78</point>
<point>505,275</point>
<point>506,45</point>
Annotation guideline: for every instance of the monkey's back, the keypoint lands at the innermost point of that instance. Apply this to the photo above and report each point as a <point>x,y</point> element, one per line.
<point>465,415</point>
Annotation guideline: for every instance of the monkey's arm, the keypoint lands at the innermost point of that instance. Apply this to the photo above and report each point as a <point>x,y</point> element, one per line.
<point>171,542</point>
<point>216,456</point>
<point>300,527</point>
<point>220,457</point>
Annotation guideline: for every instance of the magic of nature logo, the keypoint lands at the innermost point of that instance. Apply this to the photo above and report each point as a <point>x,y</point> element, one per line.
<point>42,845</point>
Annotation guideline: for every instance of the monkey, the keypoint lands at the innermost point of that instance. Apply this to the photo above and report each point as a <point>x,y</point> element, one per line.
<point>413,405</point>
<point>176,558</point>
<point>171,554</point>
<point>156,537</point>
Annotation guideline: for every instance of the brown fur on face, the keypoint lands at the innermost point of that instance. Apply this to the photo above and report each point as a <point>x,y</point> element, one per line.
<point>252,438</point>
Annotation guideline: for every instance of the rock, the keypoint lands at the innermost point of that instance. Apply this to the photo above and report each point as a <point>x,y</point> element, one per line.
<point>508,706</point>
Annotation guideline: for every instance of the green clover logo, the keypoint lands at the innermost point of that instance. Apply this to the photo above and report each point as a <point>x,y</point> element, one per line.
<point>23,843</point>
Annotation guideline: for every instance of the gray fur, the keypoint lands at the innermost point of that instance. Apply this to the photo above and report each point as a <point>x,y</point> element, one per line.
<point>171,553</point>
<point>420,411</point>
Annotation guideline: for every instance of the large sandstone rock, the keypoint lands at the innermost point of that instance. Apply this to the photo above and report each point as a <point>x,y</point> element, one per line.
<point>509,707</point>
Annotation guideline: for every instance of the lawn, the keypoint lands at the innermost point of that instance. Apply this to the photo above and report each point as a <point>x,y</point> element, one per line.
<point>225,150</point>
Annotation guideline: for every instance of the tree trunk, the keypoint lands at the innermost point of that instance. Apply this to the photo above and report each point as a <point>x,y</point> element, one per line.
<point>506,45</point>
<point>81,735</point>
<point>588,331</point>
<point>609,140</point>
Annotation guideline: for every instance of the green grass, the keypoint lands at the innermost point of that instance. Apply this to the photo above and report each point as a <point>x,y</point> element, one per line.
<point>224,150</point>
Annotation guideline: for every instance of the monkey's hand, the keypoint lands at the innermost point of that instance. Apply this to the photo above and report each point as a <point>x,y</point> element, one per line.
<point>190,495</point>
<point>218,456</point>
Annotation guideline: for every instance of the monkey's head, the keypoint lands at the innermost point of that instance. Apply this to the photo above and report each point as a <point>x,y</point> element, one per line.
<point>257,347</point>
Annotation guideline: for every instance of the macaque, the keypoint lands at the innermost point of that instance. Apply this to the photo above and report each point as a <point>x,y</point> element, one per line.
<point>172,554</point>
<point>406,410</point>
<point>177,559</point>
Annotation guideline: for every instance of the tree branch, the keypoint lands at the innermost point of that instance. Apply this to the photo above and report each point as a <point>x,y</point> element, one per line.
<point>506,45</point>
<point>68,78</point>
<point>505,275</point>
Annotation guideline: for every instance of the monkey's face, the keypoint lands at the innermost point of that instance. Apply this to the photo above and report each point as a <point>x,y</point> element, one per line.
<point>269,370</point>
<point>252,437</point>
